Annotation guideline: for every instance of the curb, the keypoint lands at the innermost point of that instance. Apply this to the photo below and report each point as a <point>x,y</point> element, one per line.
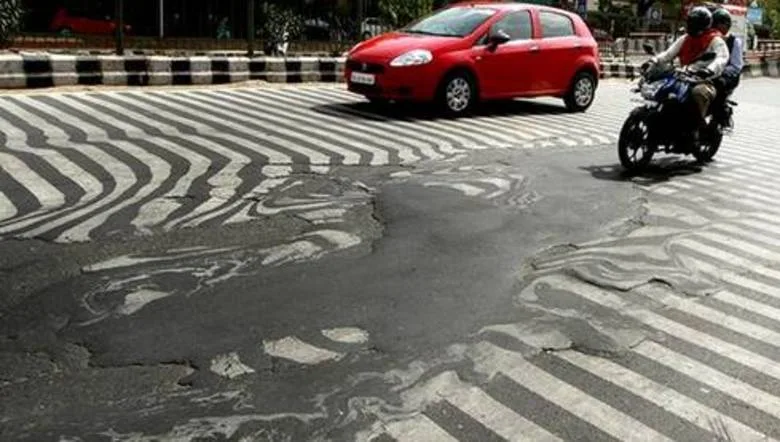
<point>20,71</point>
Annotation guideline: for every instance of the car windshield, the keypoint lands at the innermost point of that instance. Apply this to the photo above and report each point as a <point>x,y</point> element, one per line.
<point>452,22</point>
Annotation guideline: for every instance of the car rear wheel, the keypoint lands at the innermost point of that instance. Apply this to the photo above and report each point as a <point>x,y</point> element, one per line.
<point>457,93</point>
<point>581,93</point>
<point>378,101</point>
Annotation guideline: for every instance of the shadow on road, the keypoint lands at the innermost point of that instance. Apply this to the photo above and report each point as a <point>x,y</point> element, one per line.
<point>659,171</point>
<point>422,111</point>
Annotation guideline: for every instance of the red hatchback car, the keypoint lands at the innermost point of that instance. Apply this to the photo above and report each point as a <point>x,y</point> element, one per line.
<point>67,25</point>
<point>480,51</point>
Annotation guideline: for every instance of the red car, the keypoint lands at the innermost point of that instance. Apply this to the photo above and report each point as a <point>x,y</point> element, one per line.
<point>480,51</point>
<point>67,25</point>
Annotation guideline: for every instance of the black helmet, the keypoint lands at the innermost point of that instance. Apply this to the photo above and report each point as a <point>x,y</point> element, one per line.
<point>699,20</point>
<point>721,17</point>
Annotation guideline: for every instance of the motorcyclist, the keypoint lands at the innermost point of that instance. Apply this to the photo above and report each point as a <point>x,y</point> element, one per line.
<point>700,38</point>
<point>729,80</point>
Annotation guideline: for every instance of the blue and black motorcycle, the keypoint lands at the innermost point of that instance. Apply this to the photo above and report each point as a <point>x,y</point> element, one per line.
<point>661,123</point>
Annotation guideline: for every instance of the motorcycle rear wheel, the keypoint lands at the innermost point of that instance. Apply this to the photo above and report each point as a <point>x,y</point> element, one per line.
<point>635,140</point>
<point>706,150</point>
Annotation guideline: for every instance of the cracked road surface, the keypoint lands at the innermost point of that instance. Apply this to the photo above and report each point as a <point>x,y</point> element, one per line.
<point>175,266</point>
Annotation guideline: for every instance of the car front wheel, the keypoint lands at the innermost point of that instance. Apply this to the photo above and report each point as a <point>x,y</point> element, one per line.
<point>581,93</point>
<point>457,93</point>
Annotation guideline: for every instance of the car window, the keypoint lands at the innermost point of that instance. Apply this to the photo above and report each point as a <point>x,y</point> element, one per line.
<point>452,22</point>
<point>556,25</point>
<point>517,25</point>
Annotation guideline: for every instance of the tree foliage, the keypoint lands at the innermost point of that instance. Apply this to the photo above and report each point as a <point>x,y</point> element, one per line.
<point>278,20</point>
<point>772,16</point>
<point>10,19</point>
<point>398,13</point>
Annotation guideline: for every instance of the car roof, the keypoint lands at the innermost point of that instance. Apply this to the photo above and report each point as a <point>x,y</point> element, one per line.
<point>509,6</point>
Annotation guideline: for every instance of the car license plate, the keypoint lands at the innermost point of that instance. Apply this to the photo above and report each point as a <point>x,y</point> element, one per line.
<point>360,78</point>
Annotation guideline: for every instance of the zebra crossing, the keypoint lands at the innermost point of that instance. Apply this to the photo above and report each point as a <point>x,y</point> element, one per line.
<point>80,166</point>
<point>685,310</point>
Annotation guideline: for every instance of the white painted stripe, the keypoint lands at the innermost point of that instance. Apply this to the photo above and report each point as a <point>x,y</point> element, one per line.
<point>470,136</point>
<point>262,99</point>
<point>17,140</point>
<point>157,210</point>
<point>204,130</point>
<point>683,332</point>
<point>123,176</point>
<point>7,208</point>
<point>430,146</point>
<point>276,157</point>
<point>486,410</point>
<point>730,258</point>
<point>748,304</point>
<point>734,278</point>
<point>160,171</point>
<point>323,98</point>
<point>754,225</point>
<point>569,134</point>
<point>224,182</point>
<point>378,157</point>
<point>417,429</point>
<point>739,244</point>
<point>346,335</point>
<point>512,127</point>
<point>296,98</point>
<point>600,253</point>
<point>709,314</point>
<point>216,213</point>
<point>341,132</point>
<point>711,377</point>
<point>296,350</point>
<point>47,195</point>
<point>492,359</point>
<point>666,398</point>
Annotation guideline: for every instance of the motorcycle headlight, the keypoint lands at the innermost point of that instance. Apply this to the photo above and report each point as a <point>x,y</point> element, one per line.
<point>413,58</point>
<point>649,90</point>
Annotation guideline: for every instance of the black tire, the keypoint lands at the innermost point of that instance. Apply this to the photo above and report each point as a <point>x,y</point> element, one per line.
<point>582,92</point>
<point>378,101</point>
<point>710,144</point>
<point>634,136</point>
<point>457,93</point>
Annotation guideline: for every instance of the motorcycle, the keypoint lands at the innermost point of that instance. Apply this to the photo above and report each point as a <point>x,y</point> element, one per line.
<point>662,121</point>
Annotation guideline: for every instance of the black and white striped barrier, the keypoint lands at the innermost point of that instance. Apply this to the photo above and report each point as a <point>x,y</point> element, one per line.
<point>51,70</point>
<point>762,68</point>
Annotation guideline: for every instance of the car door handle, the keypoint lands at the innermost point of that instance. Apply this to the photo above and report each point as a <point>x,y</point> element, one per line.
<point>534,49</point>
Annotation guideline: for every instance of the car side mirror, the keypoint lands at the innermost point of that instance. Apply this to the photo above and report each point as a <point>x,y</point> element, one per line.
<point>497,38</point>
<point>649,49</point>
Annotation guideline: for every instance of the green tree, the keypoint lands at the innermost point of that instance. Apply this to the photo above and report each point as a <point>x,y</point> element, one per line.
<point>10,19</point>
<point>398,13</point>
<point>278,23</point>
<point>772,16</point>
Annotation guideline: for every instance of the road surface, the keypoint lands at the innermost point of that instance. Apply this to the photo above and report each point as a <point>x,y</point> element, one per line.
<point>295,264</point>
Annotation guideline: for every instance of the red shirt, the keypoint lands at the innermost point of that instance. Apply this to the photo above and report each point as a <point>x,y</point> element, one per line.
<point>694,46</point>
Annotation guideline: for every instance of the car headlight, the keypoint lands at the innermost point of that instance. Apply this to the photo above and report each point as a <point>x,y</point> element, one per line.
<point>413,58</point>
<point>649,90</point>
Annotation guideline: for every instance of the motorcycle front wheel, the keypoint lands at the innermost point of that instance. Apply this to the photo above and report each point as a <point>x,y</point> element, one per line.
<point>634,147</point>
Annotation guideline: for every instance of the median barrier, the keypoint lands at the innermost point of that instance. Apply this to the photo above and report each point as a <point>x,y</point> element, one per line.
<point>37,70</point>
